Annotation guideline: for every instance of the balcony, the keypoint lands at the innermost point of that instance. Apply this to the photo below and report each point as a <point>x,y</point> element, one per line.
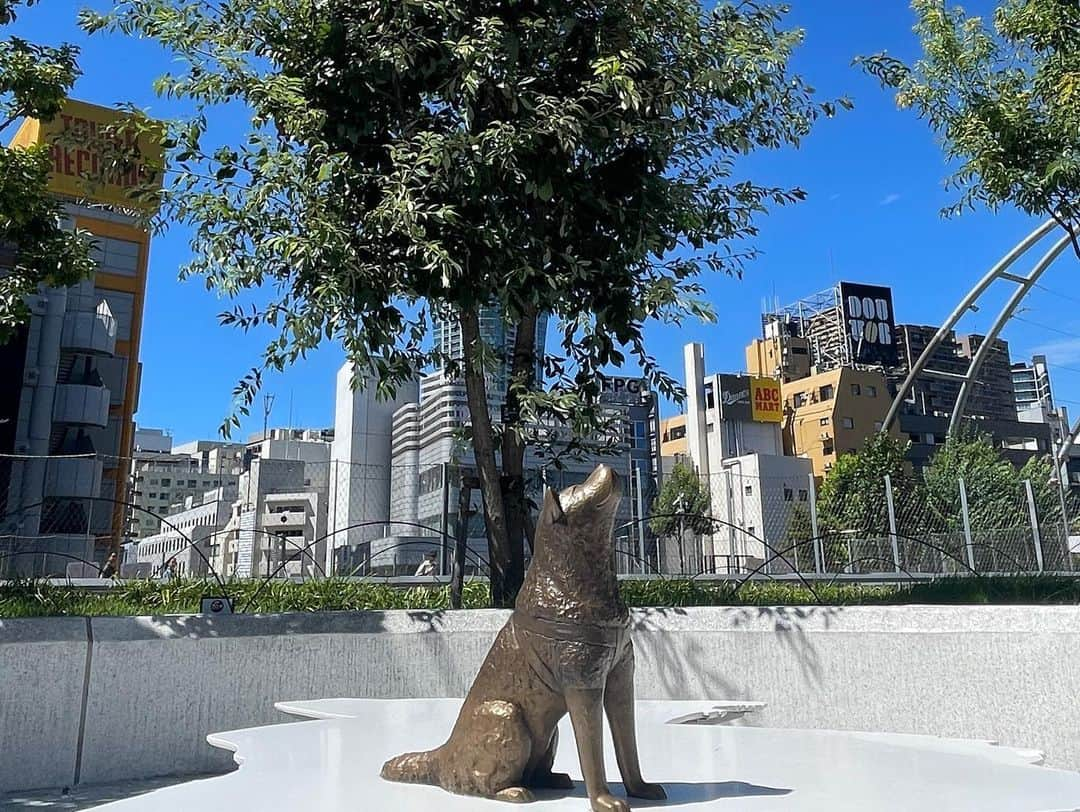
<point>81,405</point>
<point>92,332</point>
<point>73,477</point>
<point>286,519</point>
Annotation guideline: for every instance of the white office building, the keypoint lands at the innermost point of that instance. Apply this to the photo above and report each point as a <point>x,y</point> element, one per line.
<point>361,473</point>
<point>753,487</point>
<point>190,536</point>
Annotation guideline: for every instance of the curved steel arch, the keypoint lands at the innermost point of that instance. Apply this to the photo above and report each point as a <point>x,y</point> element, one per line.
<point>999,271</point>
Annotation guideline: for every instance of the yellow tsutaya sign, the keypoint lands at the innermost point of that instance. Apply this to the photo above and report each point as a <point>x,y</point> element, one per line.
<point>82,149</point>
<point>765,403</point>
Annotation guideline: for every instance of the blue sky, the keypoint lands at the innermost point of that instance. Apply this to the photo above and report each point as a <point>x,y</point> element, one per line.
<point>873,176</point>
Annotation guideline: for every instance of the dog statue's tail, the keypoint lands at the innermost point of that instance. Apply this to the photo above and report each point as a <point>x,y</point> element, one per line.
<point>411,768</point>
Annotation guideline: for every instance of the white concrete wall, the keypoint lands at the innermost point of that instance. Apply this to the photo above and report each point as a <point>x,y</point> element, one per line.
<point>157,686</point>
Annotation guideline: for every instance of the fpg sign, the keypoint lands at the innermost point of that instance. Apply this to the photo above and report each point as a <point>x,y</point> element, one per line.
<point>765,403</point>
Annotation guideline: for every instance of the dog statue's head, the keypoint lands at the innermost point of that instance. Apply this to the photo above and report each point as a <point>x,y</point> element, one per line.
<point>588,507</point>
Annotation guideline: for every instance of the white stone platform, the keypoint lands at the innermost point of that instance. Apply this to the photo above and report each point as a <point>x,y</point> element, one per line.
<point>332,764</point>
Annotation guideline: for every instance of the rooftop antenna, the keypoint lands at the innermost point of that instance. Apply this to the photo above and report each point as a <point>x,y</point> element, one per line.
<point>268,406</point>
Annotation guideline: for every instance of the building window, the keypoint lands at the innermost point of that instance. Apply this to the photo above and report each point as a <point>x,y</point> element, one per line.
<point>153,482</point>
<point>827,447</point>
<point>855,390</point>
<point>847,422</point>
<point>804,494</point>
<point>826,392</point>
<point>153,495</point>
<point>915,438</point>
<point>710,401</point>
<point>789,494</point>
<point>823,421</point>
<point>871,391</point>
<point>191,483</point>
<point>166,482</point>
<point>641,434</point>
<point>799,399</point>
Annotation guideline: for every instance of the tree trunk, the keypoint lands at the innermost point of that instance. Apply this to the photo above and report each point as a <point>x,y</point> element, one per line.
<point>483,442</point>
<point>523,375</point>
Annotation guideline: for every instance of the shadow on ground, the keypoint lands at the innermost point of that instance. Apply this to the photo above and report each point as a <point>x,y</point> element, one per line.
<point>682,792</point>
<point>87,797</point>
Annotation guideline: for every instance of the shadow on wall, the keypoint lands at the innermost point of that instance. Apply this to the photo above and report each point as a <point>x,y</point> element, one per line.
<point>684,662</point>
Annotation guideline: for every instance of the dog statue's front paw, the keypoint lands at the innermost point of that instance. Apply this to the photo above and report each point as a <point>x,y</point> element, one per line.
<point>609,803</point>
<point>651,792</point>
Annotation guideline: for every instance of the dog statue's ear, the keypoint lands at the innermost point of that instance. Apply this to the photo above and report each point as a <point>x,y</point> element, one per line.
<point>551,501</point>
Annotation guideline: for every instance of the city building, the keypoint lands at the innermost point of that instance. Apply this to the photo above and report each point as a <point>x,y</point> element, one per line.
<point>278,522</point>
<point>362,470</point>
<point>673,443</point>
<point>832,413</point>
<point>497,333</point>
<point>736,441</point>
<point>215,456</point>
<point>191,536</point>
<point>71,374</point>
<point>758,494</point>
<point>852,326</point>
<point>430,460</point>
<point>149,442</point>
<point>1031,384</point>
<point>163,484</point>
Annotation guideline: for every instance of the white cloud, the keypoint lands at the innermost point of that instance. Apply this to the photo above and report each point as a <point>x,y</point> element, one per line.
<point>889,199</point>
<point>1063,351</point>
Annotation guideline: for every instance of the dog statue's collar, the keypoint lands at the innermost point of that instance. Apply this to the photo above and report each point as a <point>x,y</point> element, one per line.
<point>605,633</point>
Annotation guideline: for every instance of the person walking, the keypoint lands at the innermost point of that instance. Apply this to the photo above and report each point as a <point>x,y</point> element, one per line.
<point>427,566</point>
<point>109,570</point>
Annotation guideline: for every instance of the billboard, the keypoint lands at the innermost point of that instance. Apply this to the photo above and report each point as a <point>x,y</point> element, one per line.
<point>80,154</point>
<point>733,399</point>
<point>766,405</point>
<point>869,323</point>
<point>625,391</point>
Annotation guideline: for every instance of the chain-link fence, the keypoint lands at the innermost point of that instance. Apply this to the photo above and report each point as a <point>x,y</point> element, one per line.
<point>783,523</point>
<point>257,518</point>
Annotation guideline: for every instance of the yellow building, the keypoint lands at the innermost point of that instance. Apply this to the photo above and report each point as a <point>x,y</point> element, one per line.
<point>832,413</point>
<point>673,436</point>
<point>73,386</point>
<point>787,359</point>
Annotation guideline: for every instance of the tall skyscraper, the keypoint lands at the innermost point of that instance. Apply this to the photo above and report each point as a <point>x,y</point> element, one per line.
<point>497,333</point>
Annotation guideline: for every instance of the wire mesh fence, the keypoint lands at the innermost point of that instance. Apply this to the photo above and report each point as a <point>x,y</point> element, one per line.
<point>259,518</point>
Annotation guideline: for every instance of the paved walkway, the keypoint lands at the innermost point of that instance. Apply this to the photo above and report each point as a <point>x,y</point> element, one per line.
<point>84,797</point>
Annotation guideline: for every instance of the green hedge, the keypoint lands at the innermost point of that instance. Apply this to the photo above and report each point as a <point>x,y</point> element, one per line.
<point>36,599</point>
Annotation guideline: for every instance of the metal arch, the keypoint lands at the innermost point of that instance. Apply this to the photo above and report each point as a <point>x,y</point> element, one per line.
<point>995,273</point>
<point>995,329</point>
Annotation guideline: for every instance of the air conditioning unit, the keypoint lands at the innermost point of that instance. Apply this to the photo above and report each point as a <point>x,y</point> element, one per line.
<point>825,435</point>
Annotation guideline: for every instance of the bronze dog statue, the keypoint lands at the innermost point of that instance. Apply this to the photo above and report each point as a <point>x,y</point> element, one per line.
<point>565,648</point>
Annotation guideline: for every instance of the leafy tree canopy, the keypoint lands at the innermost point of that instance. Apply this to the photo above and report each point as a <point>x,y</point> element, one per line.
<point>34,80</point>
<point>682,504</point>
<point>574,159</point>
<point>1004,97</point>
<point>852,495</point>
